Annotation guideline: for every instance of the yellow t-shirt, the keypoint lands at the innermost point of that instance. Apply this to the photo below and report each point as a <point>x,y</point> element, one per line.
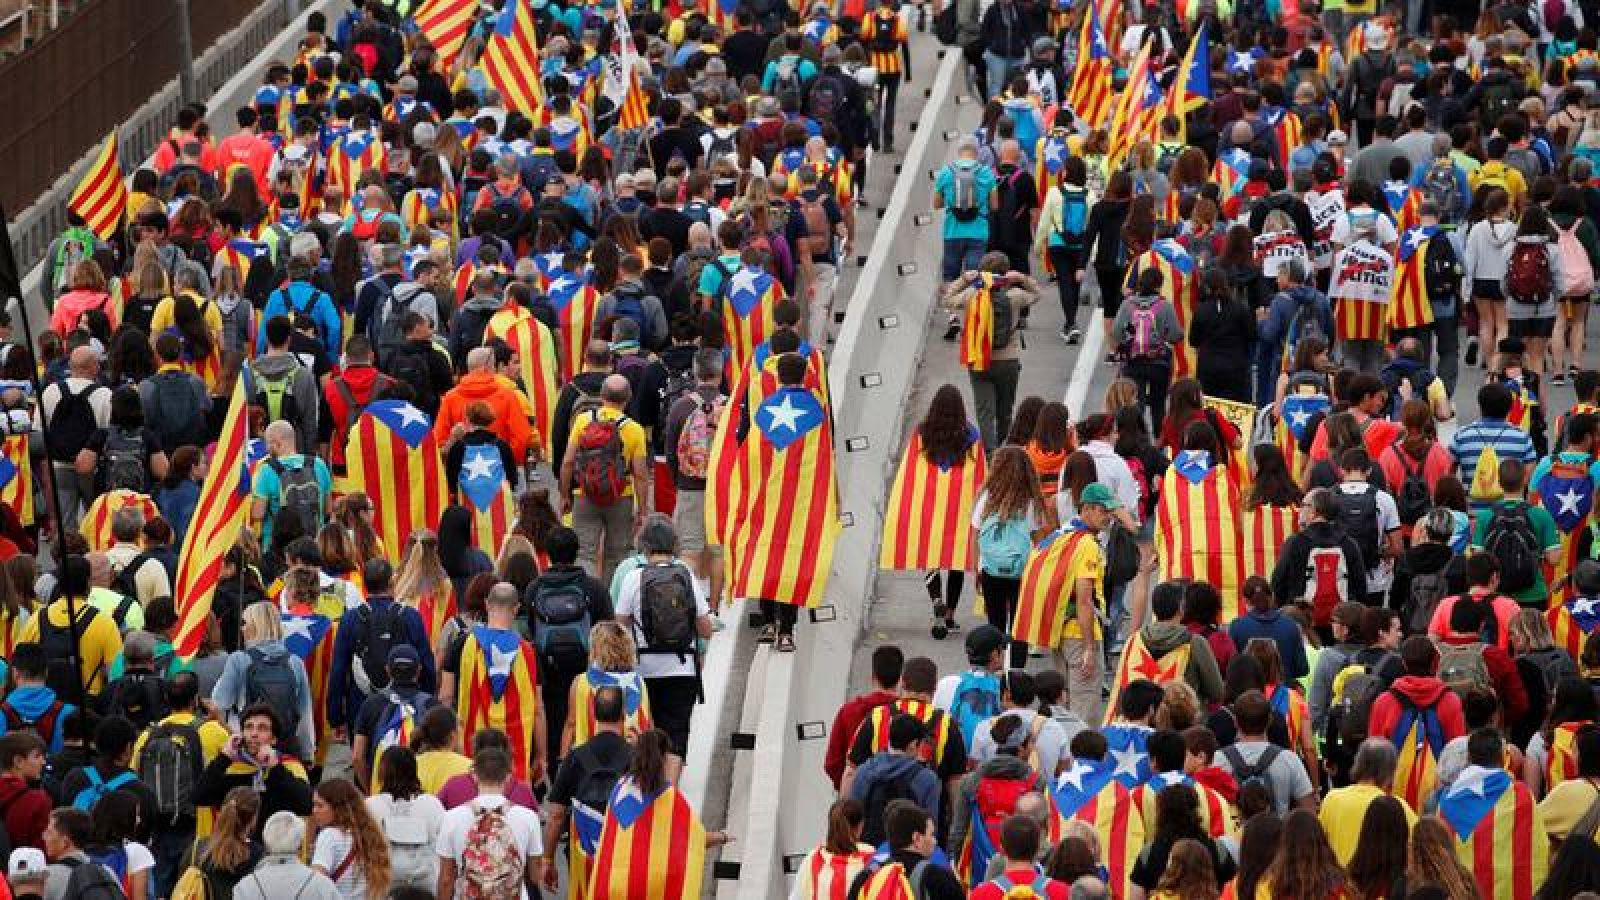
<point>162,318</point>
<point>1565,805</point>
<point>213,737</point>
<point>633,440</point>
<point>1088,561</point>
<point>1342,813</point>
<point>99,647</point>
<point>435,767</point>
<point>1497,172</point>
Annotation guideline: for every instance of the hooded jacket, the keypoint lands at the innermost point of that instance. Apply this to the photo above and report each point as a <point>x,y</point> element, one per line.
<point>1283,309</point>
<point>32,701</point>
<point>1425,692</point>
<point>1426,559</point>
<point>1002,766</point>
<point>1290,575</point>
<point>1161,638</point>
<point>467,325</point>
<point>303,389</point>
<point>889,766</point>
<point>510,421</point>
<point>27,811</point>
<point>364,383</point>
<point>71,306</point>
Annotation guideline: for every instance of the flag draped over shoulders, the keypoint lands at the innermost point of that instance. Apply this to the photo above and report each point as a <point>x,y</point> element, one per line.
<point>650,847</point>
<point>499,689</point>
<point>1500,835</point>
<point>1197,527</point>
<point>928,522</point>
<point>1047,600</point>
<point>393,457</point>
<point>486,493</point>
<point>1089,793</point>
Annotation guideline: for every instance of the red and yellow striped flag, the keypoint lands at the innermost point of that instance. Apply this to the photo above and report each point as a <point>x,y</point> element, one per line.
<point>437,607</point>
<point>827,876</point>
<point>350,156</point>
<point>96,524</point>
<point>928,524</point>
<point>635,111</point>
<point>1197,528</point>
<point>575,301</point>
<point>1408,298</point>
<point>977,327</point>
<point>1180,284</point>
<point>499,688</point>
<point>101,198</point>
<point>1265,530</point>
<point>635,702</point>
<point>786,518</point>
<point>486,493</point>
<point>420,205</point>
<point>511,58</point>
<point>1500,834</point>
<point>392,457</point>
<point>1091,94</point>
<point>445,24</point>
<point>1571,620</point>
<point>311,637</point>
<point>1419,739</point>
<point>651,848</point>
<point>1562,763</point>
<point>1216,814</point>
<point>1089,793</point>
<point>16,478</point>
<point>889,882</point>
<point>748,301</point>
<point>1138,664</point>
<point>939,727</point>
<point>1046,603</point>
<point>218,515</point>
<point>535,347</point>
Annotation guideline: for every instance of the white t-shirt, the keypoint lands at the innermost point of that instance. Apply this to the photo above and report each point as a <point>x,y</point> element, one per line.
<point>332,847</point>
<point>980,505</point>
<point>423,806</point>
<point>458,822</point>
<point>1051,744</point>
<point>944,694</point>
<point>1379,577</point>
<point>657,665</point>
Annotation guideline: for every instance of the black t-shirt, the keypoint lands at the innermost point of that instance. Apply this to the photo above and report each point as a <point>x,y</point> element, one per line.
<point>1226,728</point>
<point>97,444</point>
<point>604,750</point>
<point>376,706</point>
<point>1153,861</point>
<point>745,53</point>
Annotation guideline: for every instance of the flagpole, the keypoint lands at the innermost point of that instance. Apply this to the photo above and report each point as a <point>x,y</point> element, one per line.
<point>11,286</point>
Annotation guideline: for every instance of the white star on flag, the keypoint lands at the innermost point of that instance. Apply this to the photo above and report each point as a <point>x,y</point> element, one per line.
<point>1195,457</point>
<point>744,282</point>
<point>478,465</point>
<point>786,415</point>
<point>500,661</point>
<point>1237,158</point>
<point>1127,762</point>
<point>1075,775</point>
<point>1569,501</point>
<point>1414,238</point>
<point>1241,61</point>
<point>297,626</point>
<point>1300,418</point>
<point>410,415</point>
<point>1470,782</point>
<point>1583,606</point>
<point>552,261</point>
<point>1052,153</point>
<point>560,285</point>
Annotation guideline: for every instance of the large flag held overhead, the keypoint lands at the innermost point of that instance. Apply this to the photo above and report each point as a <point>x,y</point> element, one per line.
<point>16,477</point>
<point>1089,793</point>
<point>1197,527</point>
<point>1048,596</point>
<point>96,524</point>
<point>1091,94</point>
<point>499,688</point>
<point>928,523</point>
<point>1500,835</point>
<point>786,517</point>
<point>445,24</point>
<point>649,848</point>
<point>511,58</point>
<point>101,198</point>
<point>393,457</point>
<point>218,515</point>
<point>486,493</point>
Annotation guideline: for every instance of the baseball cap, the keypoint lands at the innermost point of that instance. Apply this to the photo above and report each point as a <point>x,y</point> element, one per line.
<point>268,95</point>
<point>982,642</point>
<point>403,655</point>
<point>1043,44</point>
<point>1098,494</point>
<point>27,864</point>
<point>1377,37</point>
<point>1338,138</point>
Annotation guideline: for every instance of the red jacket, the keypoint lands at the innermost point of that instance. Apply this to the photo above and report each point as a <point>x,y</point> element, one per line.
<point>1503,672</point>
<point>363,384</point>
<point>845,725</point>
<point>991,890</point>
<point>1427,692</point>
<point>27,811</point>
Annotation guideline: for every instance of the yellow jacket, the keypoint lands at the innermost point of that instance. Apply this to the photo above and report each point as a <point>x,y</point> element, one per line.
<point>100,646</point>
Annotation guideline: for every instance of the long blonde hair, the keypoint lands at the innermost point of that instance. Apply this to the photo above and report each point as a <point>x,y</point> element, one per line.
<point>229,846</point>
<point>421,572</point>
<point>367,843</point>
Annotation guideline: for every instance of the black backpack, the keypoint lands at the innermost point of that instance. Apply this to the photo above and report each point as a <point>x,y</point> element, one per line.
<point>507,211</point>
<point>376,633</point>
<point>299,494</point>
<point>122,463</point>
<point>1366,76</point>
<point>1441,271</point>
<point>561,624</point>
<point>271,680</point>
<point>71,423</point>
<point>1005,319</point>
<point>173,414</point>
<point>879,796</point>
<point>593,791</point>
<point>1256,772</point>
<point>1012,220</point>
<point>387,313</point>
<point>58,643</point>
<point>1412,499</point>
<point>1358,513</point>
<point>667,609</point>
<point>140,697</point>
<point>91,881</point>
<point>171,764</point>
<point>408,366</point>
<point>1510,539</point>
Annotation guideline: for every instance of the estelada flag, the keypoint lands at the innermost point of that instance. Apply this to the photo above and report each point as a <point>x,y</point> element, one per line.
<point>575,300</point>
<point>786,520</point>
<point>1291,705</point>
<point>1231,171</point>
<point>1567,492</point>
<point>393,458</point>
<point>437,607</point>
<point>1404,204</point>
<point>101,198</point>
<point>1216,814</point>
<point>1051,154</point>
<point>499,688</point>
<point>1180,284</point>
<point>351,155</point>
<point>827,876</point>
<point>510,58</point>
<point>1088,792</point>
<point>96,524</point>
<point>635,702</point>
<point>650,847</point>
<point>1091,95</point>
<point>1299,410</point>
<point>535,347</point>
<point>311,637</point>
<point>1500,835</point>
<point>16,478</point>
<point>928,523</point>
<point>1197,527</point>
<point>1127,749</point>
<point>1562,762</point>
<point>419,206</point>
<point>1571,620</point>
<point>1138,664</point>
<point>1286,130</point>
<point>760,379</point>
<point>1419,737</point>
<point>1048,596</point>
<point>486,493</point>
<point>977,326</point>
<point>1265,530</point>
<point>445,24</point>
<point>1408,298</point>
<point>218,515</point>
<point>748,301</point>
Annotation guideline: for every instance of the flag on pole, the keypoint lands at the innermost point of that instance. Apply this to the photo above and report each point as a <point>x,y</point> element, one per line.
<point>96,524</point>
<point>487,496</point>
<point>445,24</point>
<point>1090,96</point>
<point>101,198</point>
<point>649,847</point>
<point>1088,792</point>
<point>535,347</point>
<point>1047,600</point>
<point>1500,835</point>
<point>311,637</point>
<point>1139,109</point>
<point>511,58</point>
<point>218,515</point>
<point>1197,527</point>
<point>499,688</point>
<point>787,518</point>
<point>16,478</point>
<point>635,111</point>
<point>575,301</point>
<point>928,523</point>
<point>392,456</point>
<point>1192,87</point>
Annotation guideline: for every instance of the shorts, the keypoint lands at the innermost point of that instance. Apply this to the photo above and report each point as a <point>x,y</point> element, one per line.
<point>1541,327</point>
<point>1487,289</point>
<point>689,518</point>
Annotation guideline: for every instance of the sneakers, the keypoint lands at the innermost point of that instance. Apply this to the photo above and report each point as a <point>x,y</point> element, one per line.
<point>939,630</point>
<point>952,330</point>
<point>1470,357</point>
<point>1072,336</point>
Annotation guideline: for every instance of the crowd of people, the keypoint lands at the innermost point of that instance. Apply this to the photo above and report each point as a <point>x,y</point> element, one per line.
<point>1250,626</point>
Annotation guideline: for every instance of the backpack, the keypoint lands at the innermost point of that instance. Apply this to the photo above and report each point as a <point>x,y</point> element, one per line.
<point>1440,186</point>
<point>299,494</point>
<point>1422,600</point>
<point>1355,688</point>
<point>1553,664</point>
<point>491,865</point>
<point>1253,773</point>
<point>98,787</point>
<point>1441,272</point>
<point>412,859</point>
<point>72,422</point>
<point>721,146</point>
<point>377,632</point>
<point>1327,581</point>
<point>195,884</point>
<point>823,103</point>
<point>172,414</point>
<point>139,311</point>
<point>385,328</point>
<point>507,211</point>
<point>1013,218</point>
<point>1510,539</point>
<point>271,680</point>
<point>122,462</point>
<point>1038,889</point>
<point>602,472</point>
<point>170,764</point>
<point>1358,513</point>
<point>93,880</point>
<point>1003,319</point>
<point>786,84</point>
<point>977,700</point>
<point>1499,99</point>
<point>629,304</point>
<point>140,697</point>
<point>1144,341</point>
<point>1003,546</point>
<point>698,433</point>
<point>1554,12</point>
<point>1413,500</point>
<point>819,232</point>
<point>1366,77</point>
<point>77,244</point>
<point>1528,273</point>
<point>883,792</point>
<point>1074,215</point>
<point>561,635</point>
<point>964,205</point>
<point>667,609</point>
<point>884,39</point>
<point>57,641</point>
<point>411,368</point>
<point>44,726</point>
<point>1462,669</point>
<point>1576,272</point>
<point>1307,323</point>
<point>275,394</point>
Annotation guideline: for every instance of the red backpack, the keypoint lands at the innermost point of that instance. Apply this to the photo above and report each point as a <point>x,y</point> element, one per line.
<point>602,472</point>
<point>1528,275</point>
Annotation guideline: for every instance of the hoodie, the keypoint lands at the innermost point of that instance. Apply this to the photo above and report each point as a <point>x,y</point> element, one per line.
<point>71,306</point>
<point>1002,766</point>
<point>27,811</point>
<point>510,419</point>
<point>303,389</point>
<point>1546,307</point>
<point>468,324</point>
<point>230,694</point>
<point>1292,571</point>
<point>1283,309</point>
<point>1161,638</point>
<point>1425,692</point>
<point>363,382</point>
<point>889,766</point>
<point>1219,780</point>
<point>32,701</point>
<point>1488,250</point>
<point>1427,559</point>
<point>303,297</point>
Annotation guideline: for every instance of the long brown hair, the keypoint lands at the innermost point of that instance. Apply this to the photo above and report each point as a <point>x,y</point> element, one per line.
<point>1273,485</point>
<point>1417,417</point>
<point>1012,486</point>
<point>1433,860</point>
<point>1078,473</point>
<point>1305,867</point>
<point>362,536</point>
<point>1189,873</point>
<point>1053,431</point>
<point>945,432</point>
<point>845,818</point>
<point>649,766</point>
<point>1380,857</point>
<point>228,848</point>
<point>368,846</point>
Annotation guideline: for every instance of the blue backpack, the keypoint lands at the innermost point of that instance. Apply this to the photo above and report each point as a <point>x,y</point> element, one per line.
<point>1074,214</point>
<point>977,700</point>
<point>1003,546</point>
<point>99,787</point>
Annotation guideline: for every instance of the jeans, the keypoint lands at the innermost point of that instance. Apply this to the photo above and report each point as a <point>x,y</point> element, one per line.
<point>169,846</point>
<point>961,255</point>
<point>1000,607</point>
<point>1268,363</point>
<point>888,90</point>
<point>994,394</point>
<point>1445,339</point>
<point>997,71</point>
<point>1067,262</point>
<point>1153,379</point>
<point>605,535</point>
<point>819,302</point>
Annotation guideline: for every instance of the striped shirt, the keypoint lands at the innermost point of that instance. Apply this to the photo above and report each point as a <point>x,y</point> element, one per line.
<point>890,26</point>
<point>1508,441</point>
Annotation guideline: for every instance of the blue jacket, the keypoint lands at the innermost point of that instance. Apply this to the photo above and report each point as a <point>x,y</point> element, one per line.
<point>303,297</point>
<point>1280,315</point>
<point>30,702</point>
<point>1279,629</point>
<point>344,697</point>
<point>177,507</point>
<point>886,766</point>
